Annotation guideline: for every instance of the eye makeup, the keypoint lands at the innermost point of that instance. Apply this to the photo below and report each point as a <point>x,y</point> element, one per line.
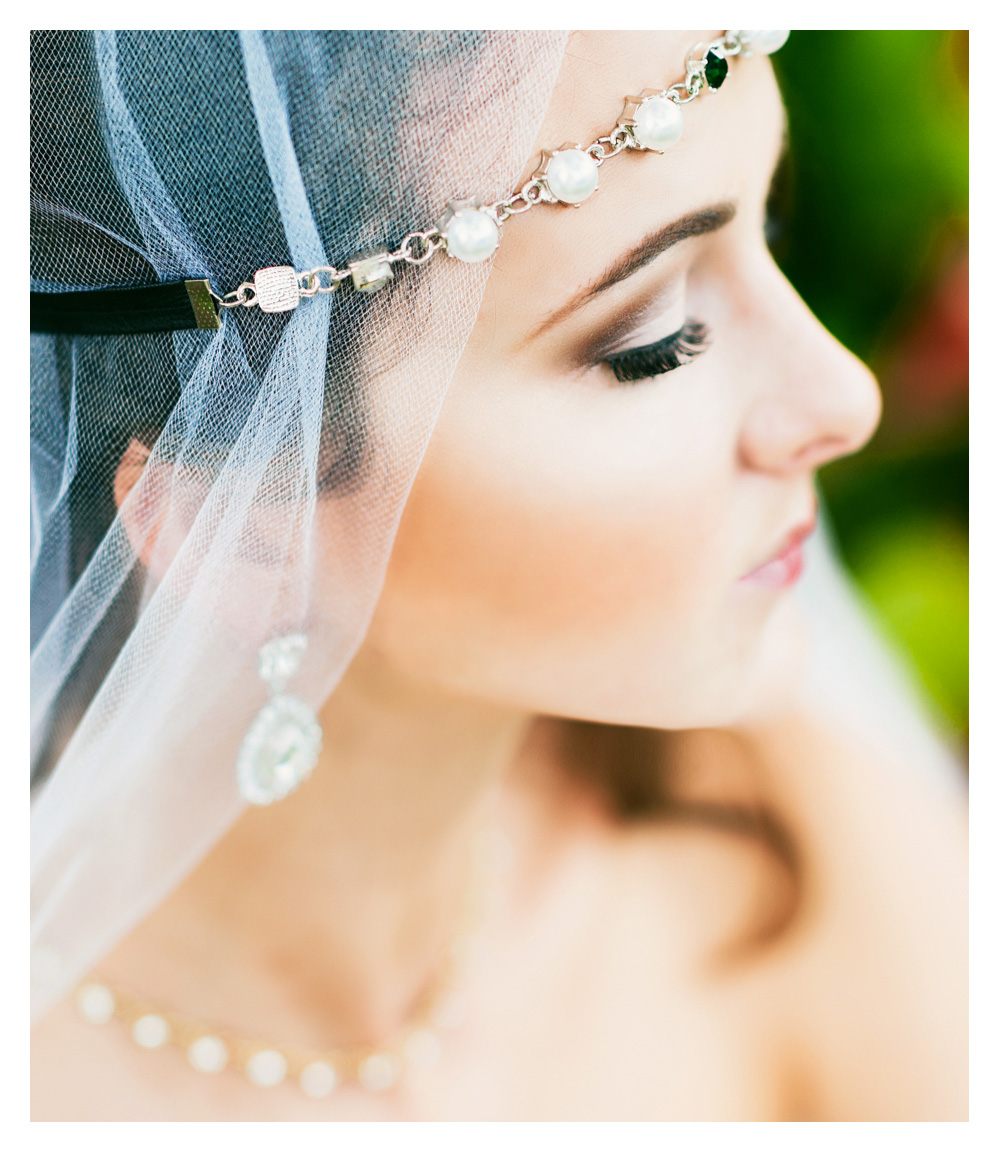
<point>673,351</point>
<point>645,337</point>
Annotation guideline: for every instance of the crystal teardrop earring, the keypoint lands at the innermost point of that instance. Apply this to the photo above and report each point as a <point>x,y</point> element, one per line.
<point>282,744</point>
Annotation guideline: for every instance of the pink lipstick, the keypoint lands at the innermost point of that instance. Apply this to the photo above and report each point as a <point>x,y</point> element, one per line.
<point>783,569</point>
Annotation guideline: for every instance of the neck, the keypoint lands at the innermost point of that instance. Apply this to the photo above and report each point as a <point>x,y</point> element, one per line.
<point>323,918</point>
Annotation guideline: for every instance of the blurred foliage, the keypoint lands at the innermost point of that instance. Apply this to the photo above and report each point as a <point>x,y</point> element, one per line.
<point>874,198</point>
<point>917,575</point>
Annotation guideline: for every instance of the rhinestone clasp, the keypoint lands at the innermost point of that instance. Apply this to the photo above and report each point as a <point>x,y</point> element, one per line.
<point>371,272</point>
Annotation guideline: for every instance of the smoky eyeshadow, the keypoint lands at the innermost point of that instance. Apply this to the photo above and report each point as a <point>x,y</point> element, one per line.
<point>611,335</point>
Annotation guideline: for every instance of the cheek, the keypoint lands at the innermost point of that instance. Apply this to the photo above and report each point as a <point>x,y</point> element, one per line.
<point>567,547</point>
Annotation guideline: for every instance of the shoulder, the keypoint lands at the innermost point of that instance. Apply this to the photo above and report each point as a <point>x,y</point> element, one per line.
<point>858,984</point>
<point>684,915</point>
<point>720,891</point>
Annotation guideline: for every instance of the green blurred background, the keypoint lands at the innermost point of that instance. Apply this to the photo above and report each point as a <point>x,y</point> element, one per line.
<point>874,204</point>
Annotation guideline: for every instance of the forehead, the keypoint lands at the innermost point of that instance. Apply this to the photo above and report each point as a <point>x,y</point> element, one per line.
<point>602,66</point>
<point>730,142</point>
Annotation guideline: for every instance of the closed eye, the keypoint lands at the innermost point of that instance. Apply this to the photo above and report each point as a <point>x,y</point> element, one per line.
<point>665,355</point>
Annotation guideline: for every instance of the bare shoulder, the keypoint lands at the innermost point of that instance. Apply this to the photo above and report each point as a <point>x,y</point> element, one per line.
<point>727,903</point>
<point>851,963</point>
<point>831,949</point>
<point>707,918</point>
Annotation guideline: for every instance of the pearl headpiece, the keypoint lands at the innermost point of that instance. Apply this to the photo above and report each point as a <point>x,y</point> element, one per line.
<point>469,230</point>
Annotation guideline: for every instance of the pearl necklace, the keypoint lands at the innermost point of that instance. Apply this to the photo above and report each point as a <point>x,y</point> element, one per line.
<point>318,1072</point>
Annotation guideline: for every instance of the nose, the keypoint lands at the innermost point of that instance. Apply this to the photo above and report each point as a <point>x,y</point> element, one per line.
<point>812,399</point>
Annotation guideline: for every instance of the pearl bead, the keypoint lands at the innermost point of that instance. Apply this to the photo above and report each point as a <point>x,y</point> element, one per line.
<point>318,1079</point>
<point>571,176</point>
<point>208,1054</point>
<point>95,1003</point>
<point>266,1067</point>
<point>151,1031</point>
<point>472,235</point>
<point>379,1071</point>
<point>765,42</point>
<point>658,123</point>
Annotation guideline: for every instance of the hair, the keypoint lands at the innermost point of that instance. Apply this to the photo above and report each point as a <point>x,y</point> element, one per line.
<point>705,779</point>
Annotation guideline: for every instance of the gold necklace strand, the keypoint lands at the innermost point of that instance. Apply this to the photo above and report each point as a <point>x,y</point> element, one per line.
<point>376,1068</point>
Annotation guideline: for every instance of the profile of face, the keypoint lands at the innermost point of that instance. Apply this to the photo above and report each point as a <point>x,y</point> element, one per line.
<point>607,522</point>
<point>624,550</point>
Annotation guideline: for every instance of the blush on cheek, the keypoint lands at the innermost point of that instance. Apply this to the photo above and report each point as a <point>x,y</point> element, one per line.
<point>565,578</point>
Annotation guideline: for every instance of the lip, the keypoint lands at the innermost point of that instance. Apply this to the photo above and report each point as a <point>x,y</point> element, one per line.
<point>785,566</point>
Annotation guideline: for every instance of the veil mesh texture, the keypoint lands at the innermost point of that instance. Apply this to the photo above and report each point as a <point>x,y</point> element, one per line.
<point>280,448</point>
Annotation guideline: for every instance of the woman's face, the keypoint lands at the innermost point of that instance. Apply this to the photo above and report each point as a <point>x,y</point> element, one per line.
<point>583,546</point>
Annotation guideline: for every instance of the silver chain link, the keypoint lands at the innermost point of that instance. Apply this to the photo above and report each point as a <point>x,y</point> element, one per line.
<point>244,295</point>
<point>686,90</point>
<point>429,240</point>
<point>617,141</point>
<point>521,201</point>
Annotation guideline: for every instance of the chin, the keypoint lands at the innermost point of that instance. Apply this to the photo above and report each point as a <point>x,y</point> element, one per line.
<point>778,665</point>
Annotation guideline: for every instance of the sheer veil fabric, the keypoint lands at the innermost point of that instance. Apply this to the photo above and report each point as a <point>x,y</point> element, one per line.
<point>282,446</point>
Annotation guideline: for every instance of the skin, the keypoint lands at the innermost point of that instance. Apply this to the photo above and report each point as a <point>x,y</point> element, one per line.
<point>588,527</point>
<point>577,547</point>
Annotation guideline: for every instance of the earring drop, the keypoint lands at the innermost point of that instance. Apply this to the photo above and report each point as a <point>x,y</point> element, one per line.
<point>282,744</point>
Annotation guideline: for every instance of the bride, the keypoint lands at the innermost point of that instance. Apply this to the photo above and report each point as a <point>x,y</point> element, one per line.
<point>445,704</point>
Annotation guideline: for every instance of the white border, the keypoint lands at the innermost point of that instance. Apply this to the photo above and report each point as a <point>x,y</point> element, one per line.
<point>983,1130</point>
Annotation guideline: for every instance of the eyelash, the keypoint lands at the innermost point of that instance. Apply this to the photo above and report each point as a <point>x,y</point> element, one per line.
<point>674,351</point>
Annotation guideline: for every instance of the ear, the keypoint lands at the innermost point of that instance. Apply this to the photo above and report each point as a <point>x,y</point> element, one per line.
<point>158,503</point>
<point>130,468</point>
<point>142,495</point>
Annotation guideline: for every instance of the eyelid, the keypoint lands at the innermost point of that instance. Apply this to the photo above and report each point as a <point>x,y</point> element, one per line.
<point>646,362</point>
<point>663,324</point>
<point>657,314</point>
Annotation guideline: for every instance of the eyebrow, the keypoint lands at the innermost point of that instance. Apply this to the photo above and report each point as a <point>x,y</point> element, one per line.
<point>693,224</point>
